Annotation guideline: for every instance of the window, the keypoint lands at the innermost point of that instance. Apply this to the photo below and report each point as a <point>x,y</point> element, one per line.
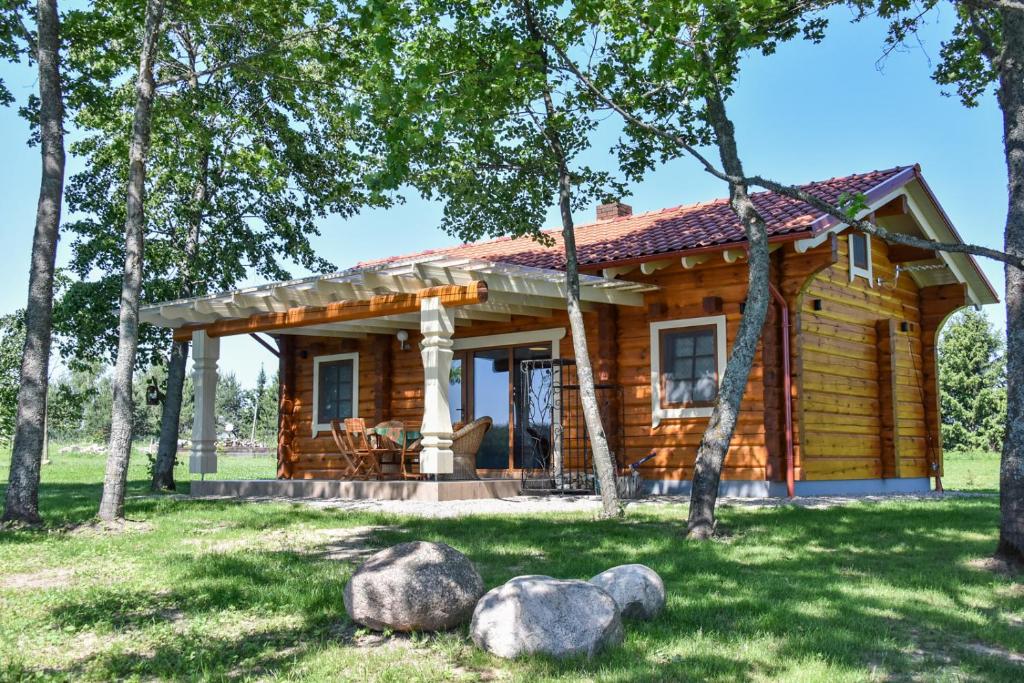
<point>860,257</point>
<point>689,369</point>
<point>687,361</point>
<point>335,389</point>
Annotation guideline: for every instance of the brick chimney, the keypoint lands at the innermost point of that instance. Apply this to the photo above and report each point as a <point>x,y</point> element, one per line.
<point>614,209</point>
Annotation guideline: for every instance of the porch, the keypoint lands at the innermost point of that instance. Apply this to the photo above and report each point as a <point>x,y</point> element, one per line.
<point>474,323</point>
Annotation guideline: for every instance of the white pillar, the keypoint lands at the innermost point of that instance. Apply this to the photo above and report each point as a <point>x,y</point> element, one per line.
<point>205,352</point>
<point>437,325</point>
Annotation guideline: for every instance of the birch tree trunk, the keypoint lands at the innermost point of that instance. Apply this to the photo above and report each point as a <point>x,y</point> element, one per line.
<point>603,462</point>
<point>1011,469</point>
<point>170,418</point>
<point>22,498</point>
<point>714,444</point>
<point>114,480</point>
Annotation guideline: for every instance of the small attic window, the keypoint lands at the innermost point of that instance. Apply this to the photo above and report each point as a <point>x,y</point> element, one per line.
<point>860,257</point>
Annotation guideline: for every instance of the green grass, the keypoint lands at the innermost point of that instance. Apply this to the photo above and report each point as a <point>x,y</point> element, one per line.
<point>217,590</point>
<point>974,471</point>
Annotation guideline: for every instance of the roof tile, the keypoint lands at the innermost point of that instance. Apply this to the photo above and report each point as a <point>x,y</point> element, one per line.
<point>670,230</point>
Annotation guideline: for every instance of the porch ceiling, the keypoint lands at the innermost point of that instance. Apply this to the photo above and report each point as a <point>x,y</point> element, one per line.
<point>511,290</point>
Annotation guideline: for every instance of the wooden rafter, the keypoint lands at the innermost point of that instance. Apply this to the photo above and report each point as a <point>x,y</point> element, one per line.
<point>451,296</point>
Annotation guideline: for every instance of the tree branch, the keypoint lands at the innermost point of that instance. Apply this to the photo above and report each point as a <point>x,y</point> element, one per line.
<point>1003,5</point>
<point>672,137</point>
<point>241,60</point>
<point>779,188</point>
<point>872,229</point>
<point>988,47</point>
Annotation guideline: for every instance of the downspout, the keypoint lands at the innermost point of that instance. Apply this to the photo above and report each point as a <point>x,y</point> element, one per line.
<point>787,388</point>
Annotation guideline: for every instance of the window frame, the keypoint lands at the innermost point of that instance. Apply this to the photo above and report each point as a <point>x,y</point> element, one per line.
<point>855,270</point>
<point>664,332</point>
<point>661,412</point>
<point>317,362</point>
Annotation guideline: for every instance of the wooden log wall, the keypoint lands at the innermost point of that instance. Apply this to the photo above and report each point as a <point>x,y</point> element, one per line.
<point>315,456</point>
<point>937,304</point>
<point>839,378</point>
<point>844,385</point>
<point>674,442</point>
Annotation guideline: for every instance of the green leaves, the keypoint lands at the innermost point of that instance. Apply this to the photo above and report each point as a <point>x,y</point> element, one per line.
<point>659,60</point>
<point>967,58</point>
<point>852,204</point>
<point>257,135</point>
<point>459,103</point>
<point>12,343</point>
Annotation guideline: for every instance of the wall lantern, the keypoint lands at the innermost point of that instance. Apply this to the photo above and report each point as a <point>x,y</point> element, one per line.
<point>403,337</point>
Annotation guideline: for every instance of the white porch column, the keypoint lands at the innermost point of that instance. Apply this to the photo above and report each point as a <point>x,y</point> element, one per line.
<point>205,352</point>
<point>437,325</point>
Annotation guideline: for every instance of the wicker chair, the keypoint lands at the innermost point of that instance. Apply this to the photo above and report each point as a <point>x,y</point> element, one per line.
<point>465,443</point>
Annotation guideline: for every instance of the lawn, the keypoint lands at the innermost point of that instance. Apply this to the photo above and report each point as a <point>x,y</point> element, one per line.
<point>974,471</point>
<point>223,590</point>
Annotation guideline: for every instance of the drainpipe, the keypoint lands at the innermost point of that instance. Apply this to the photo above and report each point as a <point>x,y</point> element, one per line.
<point>787,389</point>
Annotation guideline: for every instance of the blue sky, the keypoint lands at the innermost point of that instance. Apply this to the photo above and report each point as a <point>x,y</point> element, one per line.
<point>806,113</point>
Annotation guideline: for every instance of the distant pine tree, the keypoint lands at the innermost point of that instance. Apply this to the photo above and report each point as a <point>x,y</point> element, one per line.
<point>972,384</point>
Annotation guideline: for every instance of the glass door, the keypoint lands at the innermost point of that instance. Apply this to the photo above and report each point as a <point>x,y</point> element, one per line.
<point>531,445</point>
<point>490,398</point>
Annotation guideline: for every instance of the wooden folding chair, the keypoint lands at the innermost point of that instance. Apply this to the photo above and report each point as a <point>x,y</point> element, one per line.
<point>362,447</point>
<point>354,464</point>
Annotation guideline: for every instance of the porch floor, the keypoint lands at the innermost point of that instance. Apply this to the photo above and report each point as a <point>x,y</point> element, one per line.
<point>426,491</point>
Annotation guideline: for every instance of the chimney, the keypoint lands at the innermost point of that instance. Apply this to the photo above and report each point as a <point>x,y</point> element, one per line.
<point>615,209</point>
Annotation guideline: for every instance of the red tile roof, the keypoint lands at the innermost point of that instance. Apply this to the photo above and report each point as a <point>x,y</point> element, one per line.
<point>678,229</point>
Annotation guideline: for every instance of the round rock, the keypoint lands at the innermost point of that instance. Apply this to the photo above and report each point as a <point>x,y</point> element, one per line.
<point>417,586</point>
<point>539,614</point>
<point>637,590</point>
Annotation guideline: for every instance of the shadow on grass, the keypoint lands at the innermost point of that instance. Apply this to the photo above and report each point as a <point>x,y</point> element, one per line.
<point>855,588</point>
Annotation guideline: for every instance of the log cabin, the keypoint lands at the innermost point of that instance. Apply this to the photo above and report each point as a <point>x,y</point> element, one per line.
<point>842,397</point>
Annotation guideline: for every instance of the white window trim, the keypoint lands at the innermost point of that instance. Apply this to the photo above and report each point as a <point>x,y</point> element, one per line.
<point>657,412</point>
<point>317,360</point>
<point>552,335</point>
<point>855,272</point>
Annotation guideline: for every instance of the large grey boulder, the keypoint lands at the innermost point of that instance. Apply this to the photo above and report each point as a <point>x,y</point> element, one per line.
<point>415,586</point>
<point>637,590</point>
<point>539,614</point>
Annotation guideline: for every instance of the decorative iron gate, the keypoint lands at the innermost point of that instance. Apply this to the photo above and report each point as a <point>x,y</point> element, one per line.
<point>550,430</point>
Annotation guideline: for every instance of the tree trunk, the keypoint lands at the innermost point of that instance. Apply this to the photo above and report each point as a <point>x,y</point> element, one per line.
<point>22,498</point>
<point>714,444</point>
<point>170,418</point>
<point>1011,469</point>
<point>115,478</point>
<point>603,463</point>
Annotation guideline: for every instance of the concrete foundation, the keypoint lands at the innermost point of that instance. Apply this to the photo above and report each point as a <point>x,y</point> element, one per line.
<point>428,491</point>
<point>776,489</point>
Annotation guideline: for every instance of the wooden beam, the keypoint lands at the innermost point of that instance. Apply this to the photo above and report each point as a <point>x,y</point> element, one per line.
<point>904,253</point>
<point>474,292</point>
<point>897,207</point>
<point>265,344</point>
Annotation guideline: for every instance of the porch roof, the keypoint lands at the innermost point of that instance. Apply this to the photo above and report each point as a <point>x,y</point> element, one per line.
<point>509,290</point>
